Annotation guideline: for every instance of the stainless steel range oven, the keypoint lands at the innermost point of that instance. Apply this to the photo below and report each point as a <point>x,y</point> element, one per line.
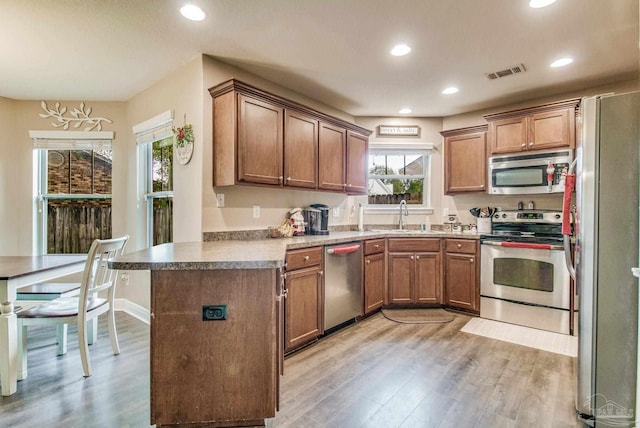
<point>524,279</point>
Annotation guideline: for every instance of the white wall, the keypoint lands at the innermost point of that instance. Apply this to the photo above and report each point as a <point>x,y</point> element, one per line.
<point>9,190</point>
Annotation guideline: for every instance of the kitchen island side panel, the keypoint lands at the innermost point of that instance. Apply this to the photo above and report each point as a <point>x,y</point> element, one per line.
<point>213,371</point>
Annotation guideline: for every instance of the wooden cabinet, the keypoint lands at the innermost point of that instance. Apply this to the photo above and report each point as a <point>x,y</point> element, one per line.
<point>300,150</point>
<point>331,157</point>
<point>542,127</point>
<point>462,274</point>
<point>192,360</point>
<point>465,160</point>
<point>374,275</point>
<point>262,139</point>
<point>356,169</point>
<point>259,141</point>
<point>414,271</point>
<point>303,297</point>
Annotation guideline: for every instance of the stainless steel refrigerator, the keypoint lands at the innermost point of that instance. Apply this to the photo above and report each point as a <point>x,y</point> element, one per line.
<point>606,249</point>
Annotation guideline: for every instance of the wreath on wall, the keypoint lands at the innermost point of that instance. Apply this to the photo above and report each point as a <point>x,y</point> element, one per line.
<point>183,135</point>
<point>184,140</point>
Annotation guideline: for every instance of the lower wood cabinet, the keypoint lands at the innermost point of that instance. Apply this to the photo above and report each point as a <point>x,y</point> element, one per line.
<point>462,274</point>
<point>216,370</point>
<point>303,297</point>
<point>375,285</point>
<point>414,276</point>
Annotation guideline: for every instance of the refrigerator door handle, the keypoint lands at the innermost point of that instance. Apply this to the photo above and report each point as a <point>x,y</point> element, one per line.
<point>636,272</point>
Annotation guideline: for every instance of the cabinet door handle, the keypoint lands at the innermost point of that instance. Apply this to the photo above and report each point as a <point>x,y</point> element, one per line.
<point>377,246</point>
<point>459,245</point>
<point>305,258</point>
<point>411,257</point>
<point>280,179</point>
<point>471,260</point>
<point>368,261</point>
<point>523,145</point>
<point>288,178</point>
<point>417,257</point>
<point>531,144</point>
<point>285,293</point>
<point>320,273</point>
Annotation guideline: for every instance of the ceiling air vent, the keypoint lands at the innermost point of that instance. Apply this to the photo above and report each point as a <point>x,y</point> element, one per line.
<point>507,72</point>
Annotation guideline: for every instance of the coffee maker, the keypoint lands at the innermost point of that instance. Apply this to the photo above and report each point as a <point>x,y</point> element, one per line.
<point>317,219</point>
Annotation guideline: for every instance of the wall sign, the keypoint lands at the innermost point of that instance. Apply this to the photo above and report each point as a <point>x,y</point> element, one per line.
<point>399,131</point>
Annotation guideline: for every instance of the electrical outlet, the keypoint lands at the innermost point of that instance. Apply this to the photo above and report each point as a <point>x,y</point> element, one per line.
<point>256,211</point>
<point>220,200</point>
<point>336,211</point>
<point>124,277</point>
<point>214,313</point>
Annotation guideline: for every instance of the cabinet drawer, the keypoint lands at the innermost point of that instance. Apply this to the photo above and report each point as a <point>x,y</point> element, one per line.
<point>374,246</point>
<point>297,259</point>
<point>467,246</point>
<point>414,244</point>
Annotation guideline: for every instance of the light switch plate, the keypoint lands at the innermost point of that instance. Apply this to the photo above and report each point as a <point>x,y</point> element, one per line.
<point>220,200</point>
<point>256,211</point>
<point>336,211</point>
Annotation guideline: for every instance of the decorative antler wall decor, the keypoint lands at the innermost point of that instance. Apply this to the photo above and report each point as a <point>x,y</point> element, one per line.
<point>79,117</point>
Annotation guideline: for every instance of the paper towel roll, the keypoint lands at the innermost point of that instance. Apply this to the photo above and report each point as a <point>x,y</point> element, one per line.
<point>360,217</point>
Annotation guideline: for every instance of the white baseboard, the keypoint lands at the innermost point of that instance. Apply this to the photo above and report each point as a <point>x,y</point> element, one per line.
<point>133,309</point>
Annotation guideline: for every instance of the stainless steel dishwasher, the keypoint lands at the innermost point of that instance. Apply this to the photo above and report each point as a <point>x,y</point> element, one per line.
<point>342,283</point>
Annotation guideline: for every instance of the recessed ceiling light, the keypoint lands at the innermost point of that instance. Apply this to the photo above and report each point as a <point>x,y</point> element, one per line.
<point>450,90</point>
<point>536,4</point>
<point>192,12</point>
<point>400,50</point>
<point>405,110</point>
<point>561,62</point>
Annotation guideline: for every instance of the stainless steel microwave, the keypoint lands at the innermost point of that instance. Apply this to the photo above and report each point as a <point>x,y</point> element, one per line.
<point>529,173</point>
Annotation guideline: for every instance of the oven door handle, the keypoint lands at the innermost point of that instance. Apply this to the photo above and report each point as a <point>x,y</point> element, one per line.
<point>532,246</point>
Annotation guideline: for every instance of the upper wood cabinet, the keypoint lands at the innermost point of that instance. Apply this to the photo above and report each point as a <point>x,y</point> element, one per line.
<point>300,150</point>
<point>331,157</point>
<point>262,139</point>
<point>465,159</point>
<point>356,170</point>
<point>259,141</point>
<point>542,127</point>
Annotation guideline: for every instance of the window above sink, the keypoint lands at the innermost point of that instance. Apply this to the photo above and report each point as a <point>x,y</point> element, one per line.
<point>399,171</point>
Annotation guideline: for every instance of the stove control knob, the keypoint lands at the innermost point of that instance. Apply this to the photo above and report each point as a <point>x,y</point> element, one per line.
<point>496,216</point>
<point>504,216</point>
<point>557,216</point>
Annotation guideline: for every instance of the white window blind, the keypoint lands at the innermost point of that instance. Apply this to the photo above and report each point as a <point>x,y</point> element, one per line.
<point>157,128</point>
<point>72,140</point>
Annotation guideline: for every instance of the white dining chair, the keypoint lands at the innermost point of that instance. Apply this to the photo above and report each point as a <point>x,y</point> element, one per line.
<point>97,277</point>
<point>36,294</point>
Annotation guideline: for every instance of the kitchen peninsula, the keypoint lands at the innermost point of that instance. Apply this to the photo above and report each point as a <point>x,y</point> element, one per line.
<point>216,317</point>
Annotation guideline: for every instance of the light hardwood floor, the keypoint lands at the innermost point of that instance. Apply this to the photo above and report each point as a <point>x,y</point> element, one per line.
<point>375,373</point>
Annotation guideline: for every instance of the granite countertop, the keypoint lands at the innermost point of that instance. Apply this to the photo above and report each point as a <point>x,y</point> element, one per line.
<point>251,254</point>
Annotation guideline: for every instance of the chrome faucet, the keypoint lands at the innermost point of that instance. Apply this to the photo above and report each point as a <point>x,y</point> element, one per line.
<point>403,203</point>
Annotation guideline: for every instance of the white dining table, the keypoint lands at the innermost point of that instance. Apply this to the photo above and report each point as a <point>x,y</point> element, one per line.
<point>17,272</point>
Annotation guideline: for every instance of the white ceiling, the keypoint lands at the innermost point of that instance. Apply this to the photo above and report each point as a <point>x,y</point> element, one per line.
<point>335,51</point>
